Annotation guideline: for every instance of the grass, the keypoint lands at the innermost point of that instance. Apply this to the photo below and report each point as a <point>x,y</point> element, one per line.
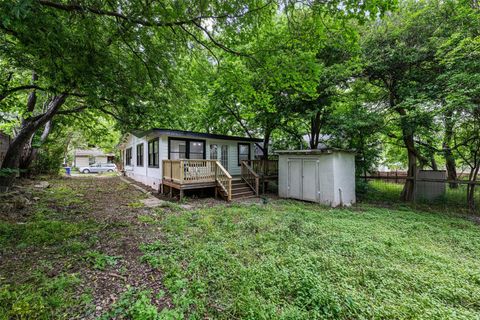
<point>49,230</point>
<point>381,192</point>
<point>290,260</point>
<point>73,249</point>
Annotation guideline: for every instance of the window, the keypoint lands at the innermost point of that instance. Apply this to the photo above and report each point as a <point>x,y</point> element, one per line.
<point>178,149</point>
<point>243,152</point>
<point>140,155</point>
<point>153,153</point>
<point>128,157</point>
<point>186,149</point>
<point>196,150</point>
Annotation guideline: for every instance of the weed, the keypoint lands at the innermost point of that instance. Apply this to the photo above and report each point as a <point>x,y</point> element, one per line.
<point>136,204</point>
<point>136,304</point>
<point>40,298</point>
<point>100,261</point>
<point>148,219</point>
<point>39,233</point>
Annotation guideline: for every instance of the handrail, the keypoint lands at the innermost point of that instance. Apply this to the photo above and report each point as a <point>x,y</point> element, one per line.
<point>224,180</point>
<point>250,177</point>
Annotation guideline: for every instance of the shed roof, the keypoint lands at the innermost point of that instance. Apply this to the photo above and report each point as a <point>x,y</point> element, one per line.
<point>314,151</point>
<point>183,133</point>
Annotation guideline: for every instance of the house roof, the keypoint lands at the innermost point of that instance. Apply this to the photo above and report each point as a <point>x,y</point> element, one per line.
<point>182,133</point>
<point>95,152</point>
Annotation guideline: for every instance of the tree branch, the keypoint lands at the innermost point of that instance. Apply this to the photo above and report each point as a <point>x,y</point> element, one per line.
<point>69,111</point>
<point>7,92</point>
<point>72,7</point>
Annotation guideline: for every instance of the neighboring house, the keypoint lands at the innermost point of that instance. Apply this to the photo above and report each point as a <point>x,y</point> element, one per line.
<point>186,160</point>
<point>322,139</point>
<point>84,158</point>
<point>4,143</point>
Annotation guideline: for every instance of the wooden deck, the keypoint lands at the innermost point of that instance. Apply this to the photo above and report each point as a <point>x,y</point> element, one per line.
<point>198,174</point>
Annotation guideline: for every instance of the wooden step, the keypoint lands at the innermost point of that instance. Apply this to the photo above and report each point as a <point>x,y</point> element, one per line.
<point>239,185</point>
<point>241,195</point>
<point>241,189</point>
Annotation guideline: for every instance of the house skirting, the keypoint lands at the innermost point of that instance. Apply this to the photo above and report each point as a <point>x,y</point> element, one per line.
<point>152,182</point>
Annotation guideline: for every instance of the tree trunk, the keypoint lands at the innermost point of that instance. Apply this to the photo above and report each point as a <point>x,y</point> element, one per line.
<point>434,163</point>
<point>472,177</point>
<point>408,192</point>
<point>409,187</point>
<point>447,150</point>
<point>315,124</point>
<point>31,152</point>
<point>266,141</point>
<point>20,141</point>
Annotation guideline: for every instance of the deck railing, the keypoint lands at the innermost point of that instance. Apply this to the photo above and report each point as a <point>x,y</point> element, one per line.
<point>224,180</point>
<point>264,167</point>
<point>197,171</point>
<point>250,177</point>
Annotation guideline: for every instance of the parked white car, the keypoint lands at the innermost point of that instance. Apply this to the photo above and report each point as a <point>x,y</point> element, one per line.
<point>99,167</point>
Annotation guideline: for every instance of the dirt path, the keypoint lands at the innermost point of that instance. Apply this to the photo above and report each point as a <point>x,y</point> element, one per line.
<point>105,256</point>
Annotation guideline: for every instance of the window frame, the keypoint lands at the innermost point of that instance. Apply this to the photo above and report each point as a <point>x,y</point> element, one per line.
<point>238,151</point>
<point>128,157</point>
<point>140,155</point>
<point>187,146</point>
<point>154,164</point>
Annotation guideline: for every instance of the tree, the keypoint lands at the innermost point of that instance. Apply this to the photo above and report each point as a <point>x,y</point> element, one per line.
<point>398,56</point>
<point>460,55</point>
<point>118,58</point>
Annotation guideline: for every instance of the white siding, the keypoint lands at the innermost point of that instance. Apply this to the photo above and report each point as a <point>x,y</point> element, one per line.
<point>333,182</point>
<point>81,161</point>
<point>144,174</point>
<point>153,176</point>
<point>101,159</point>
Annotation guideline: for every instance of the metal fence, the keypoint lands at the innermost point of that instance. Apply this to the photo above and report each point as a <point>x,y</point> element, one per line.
<point>431,189</point>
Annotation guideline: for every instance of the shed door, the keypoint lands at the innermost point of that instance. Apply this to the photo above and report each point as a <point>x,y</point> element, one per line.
<point>295,178</point>
<point>309,181</point>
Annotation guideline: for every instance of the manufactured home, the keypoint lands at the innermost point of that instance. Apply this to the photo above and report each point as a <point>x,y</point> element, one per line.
<point>169,160</point>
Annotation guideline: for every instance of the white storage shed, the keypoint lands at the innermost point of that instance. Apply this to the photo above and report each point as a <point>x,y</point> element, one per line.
<point>326,176</point>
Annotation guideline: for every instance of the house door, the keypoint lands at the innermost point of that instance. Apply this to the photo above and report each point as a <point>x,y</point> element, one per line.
<point>219,152</point>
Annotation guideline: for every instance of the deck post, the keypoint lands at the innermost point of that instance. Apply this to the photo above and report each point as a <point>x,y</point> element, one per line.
<point>181,195</point>
<point>182,171</point>
<point>171,192</point>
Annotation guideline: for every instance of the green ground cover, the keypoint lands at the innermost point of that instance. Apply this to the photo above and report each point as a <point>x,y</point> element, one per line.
<point>292,260</point>
<point>82,246</point>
